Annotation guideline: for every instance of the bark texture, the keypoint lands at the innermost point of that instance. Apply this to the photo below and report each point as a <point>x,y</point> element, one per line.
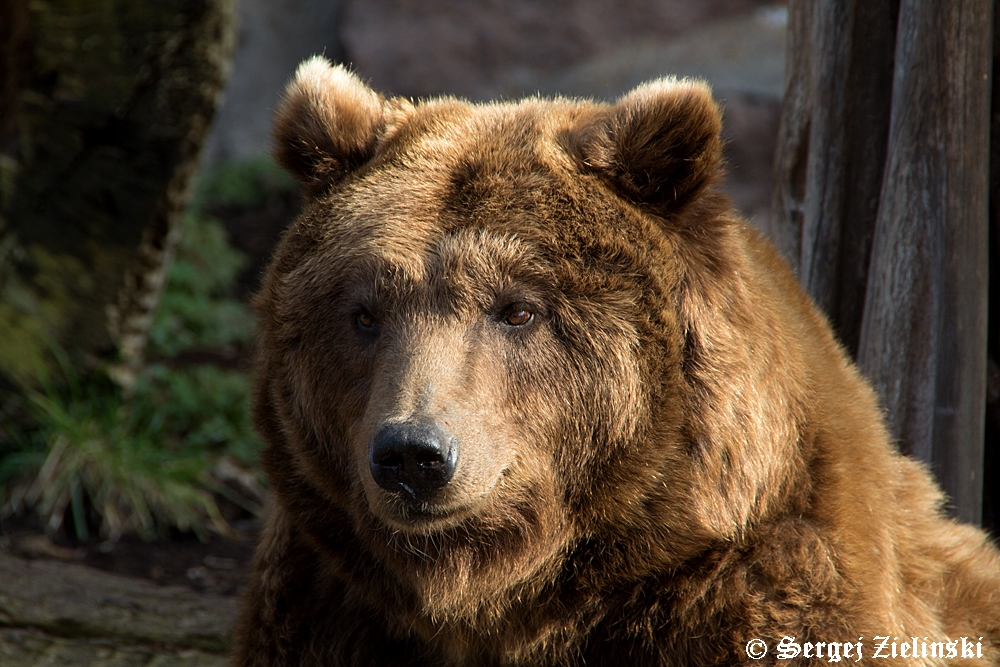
<point>111,104</point>
<point>881,204</point>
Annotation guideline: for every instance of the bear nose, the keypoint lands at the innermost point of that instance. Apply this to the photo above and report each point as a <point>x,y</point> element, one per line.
<point>413,457</point>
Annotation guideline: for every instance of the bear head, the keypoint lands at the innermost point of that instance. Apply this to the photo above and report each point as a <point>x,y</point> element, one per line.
<point>508,340</point>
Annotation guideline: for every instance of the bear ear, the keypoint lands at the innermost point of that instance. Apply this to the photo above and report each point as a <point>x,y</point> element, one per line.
<point>327,125</point>
<point>660,144</point>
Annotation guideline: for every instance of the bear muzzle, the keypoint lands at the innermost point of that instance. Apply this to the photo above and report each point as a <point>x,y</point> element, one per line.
<point>413,458</point>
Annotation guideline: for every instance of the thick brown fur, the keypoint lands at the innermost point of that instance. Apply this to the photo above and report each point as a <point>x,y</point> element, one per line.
<point>673,457</point>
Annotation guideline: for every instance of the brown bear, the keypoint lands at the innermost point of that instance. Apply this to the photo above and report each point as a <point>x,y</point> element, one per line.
<point>534,395</point>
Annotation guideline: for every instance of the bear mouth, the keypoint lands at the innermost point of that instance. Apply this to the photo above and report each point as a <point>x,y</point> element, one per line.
<point>409,514</point>
<point>438,510</point>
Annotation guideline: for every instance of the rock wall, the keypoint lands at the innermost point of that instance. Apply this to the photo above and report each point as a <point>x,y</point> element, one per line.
<point>272,39</point>
<point>510,48</point>
<point>62,614</point>
<point>495,48</point>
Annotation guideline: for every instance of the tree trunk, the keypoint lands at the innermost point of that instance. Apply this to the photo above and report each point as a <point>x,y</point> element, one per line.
<point>881,203</point>
<point>991,465</point>
<point>111,105</point>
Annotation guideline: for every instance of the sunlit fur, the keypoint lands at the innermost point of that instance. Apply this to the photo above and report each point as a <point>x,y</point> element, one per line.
<point>672,458</point>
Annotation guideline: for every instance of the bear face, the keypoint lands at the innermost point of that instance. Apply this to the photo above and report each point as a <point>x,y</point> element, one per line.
<point>477,281</point>
<point>517,357</point>
<point>486,277</point>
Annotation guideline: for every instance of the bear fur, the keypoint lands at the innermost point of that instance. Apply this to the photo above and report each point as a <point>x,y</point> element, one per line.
<point>659,450</point>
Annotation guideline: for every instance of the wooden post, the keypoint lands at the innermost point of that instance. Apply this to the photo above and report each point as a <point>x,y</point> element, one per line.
<point>836,116</point>
<point>923,336</point>
<point>880,202</point>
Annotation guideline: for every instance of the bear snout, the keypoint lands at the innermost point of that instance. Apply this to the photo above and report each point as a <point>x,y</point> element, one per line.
<point>414,458</point>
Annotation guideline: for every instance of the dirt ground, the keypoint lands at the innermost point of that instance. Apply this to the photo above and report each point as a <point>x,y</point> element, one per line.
<point>218,566</point>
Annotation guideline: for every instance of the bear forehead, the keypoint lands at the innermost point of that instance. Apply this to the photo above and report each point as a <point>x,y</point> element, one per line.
<point>465,264</point>
<point>503,171</point>
<point>465,269</point>
<point>450,164</point>
<point>500,137</point>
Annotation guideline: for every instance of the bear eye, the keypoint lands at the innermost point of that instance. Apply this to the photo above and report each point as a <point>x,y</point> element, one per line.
<point>366,321</point>
<point>519,318</point>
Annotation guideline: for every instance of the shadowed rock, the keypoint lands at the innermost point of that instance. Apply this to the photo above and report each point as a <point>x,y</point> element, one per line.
<point>57,613</point>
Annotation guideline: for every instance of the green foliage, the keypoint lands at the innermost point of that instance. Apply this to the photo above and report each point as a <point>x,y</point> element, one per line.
<point>196,310</point>
<point>242,184</point>
<point>162,455</point>
<point>199,408</point>
<point>101,458</point>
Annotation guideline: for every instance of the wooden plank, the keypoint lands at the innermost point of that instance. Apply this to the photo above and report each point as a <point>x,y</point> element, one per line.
<point>880,204</point>
<point>792,151</point>
<point>835,127</point>
<point>923,333</point>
